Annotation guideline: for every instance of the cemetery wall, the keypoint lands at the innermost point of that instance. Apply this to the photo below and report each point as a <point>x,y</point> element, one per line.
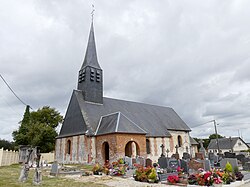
<point>8,157</point>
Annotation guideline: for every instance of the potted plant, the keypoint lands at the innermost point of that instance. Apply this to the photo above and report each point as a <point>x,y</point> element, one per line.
<point>97,169</point>
<point>173,179</point>
<point>152,177</point>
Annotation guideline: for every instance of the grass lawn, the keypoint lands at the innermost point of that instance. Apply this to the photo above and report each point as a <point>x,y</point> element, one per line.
<point>9,177</point>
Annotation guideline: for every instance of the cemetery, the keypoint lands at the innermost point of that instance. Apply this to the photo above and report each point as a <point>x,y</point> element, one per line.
<point>205,169</point>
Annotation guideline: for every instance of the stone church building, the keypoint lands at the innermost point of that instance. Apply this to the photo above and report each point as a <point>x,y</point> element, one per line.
<point>97,128</point>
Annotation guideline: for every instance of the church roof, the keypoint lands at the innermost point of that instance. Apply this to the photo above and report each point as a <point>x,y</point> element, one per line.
<point>91,54</point>
<point>155,120</point>
<point>117,123</point>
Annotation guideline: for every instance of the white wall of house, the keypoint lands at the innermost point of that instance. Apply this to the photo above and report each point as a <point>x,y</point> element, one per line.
<point>239,146</point>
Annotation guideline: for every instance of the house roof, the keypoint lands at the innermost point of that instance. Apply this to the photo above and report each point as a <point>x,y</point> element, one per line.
<point>224,143</point>
<point>155,120</point>
<point>193,141</point>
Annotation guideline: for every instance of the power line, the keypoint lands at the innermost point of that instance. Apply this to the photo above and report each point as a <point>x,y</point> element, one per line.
<point>12,90</point>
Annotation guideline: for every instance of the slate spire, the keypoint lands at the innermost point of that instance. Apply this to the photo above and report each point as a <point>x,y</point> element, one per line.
<point>90,74</point>
<point>91,55</point>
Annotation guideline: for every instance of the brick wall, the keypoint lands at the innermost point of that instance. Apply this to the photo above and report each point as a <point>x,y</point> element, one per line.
<point>117,144</point>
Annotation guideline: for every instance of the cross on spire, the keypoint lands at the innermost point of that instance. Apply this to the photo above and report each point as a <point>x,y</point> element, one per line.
<point>92,12</point>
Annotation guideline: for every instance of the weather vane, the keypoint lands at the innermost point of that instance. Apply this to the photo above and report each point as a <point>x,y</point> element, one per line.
<point>92,12</point>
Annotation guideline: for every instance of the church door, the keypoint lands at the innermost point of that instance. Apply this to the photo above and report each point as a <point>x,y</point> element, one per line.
<point>105,151</point>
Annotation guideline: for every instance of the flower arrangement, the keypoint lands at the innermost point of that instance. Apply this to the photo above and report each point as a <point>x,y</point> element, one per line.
<point>97,169</point>
<point>119,168</point>
<point>145,174</point>
<point>172,179</point>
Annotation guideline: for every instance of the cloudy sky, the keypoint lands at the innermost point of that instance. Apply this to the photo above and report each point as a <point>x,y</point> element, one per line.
<point>190,55</point>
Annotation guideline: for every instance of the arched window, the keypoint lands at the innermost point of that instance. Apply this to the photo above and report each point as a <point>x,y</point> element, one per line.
<point>68,147</point>
<point>148,146</point>
<point>179,141</point>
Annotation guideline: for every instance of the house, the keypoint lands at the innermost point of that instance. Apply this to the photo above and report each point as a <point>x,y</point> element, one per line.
<point>97,128</point>
<point>234,144</point>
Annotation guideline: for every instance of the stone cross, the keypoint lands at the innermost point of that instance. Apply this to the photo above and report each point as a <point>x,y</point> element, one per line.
<point>162,150</point>
<point>201,143</point>
<point>167,152</point>
<point>176,147</point>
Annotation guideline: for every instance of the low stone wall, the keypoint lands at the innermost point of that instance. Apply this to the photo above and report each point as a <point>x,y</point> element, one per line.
<point>8,157</point>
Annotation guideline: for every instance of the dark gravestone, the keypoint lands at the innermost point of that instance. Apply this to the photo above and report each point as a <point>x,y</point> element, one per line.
<point>163,162</point>
<point>246,167</point>
<point>54,169</point>
<point>148,162</point>
<point>232,161</point>
<point>173,164</point>
<point>195,164</point>
<point>186,156</point>
<point>199,156</point>
<point>229,155</point>
<point>184,165</point>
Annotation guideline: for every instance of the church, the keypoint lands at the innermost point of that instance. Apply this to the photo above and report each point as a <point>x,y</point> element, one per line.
<point>98,128</point>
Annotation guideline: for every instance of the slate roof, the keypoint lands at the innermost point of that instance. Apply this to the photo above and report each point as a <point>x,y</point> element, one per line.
<point>193,141</point>
<point>90,58</point>
<point>155,120</point>
<point>224,143</point>
<point>117,123</point>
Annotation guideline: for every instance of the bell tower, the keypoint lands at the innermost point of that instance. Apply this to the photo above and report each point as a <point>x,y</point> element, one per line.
<point>90,79</point>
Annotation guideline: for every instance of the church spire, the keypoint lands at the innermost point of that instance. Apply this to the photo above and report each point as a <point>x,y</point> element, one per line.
<point>91,55</point>
<point>90,75</point>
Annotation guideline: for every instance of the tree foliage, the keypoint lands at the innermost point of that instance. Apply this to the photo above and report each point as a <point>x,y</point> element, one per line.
<point>206,141</point>
<point>5,144</point>
<point>37,128</point>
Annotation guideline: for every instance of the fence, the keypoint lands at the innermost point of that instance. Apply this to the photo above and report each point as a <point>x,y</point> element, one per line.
<point>8,157</point>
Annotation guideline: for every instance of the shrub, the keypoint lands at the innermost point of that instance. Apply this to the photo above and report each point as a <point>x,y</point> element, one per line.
<point>228,168</point>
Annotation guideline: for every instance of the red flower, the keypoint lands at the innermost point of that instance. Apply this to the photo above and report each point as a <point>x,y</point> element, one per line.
<point>173,179</point>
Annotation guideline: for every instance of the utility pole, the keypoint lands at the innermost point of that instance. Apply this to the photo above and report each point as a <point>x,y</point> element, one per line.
<point>216,136</point>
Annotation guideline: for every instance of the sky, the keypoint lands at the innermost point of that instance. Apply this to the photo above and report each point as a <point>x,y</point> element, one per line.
<point>192,56</point>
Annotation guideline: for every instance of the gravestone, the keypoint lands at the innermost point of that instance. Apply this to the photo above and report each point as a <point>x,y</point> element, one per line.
<point>202,149</point>
<point>232,161</point>
<point>211,158</point>
<point>54,169</point>
<point>195,164</point>
<point>207,165</point>
<point>186,156</point>
<point>229,155</point>
<point>133,161</point>
<point>246,167</point>
<point>199,156</point>
<point>173,164</point>
<point>128,161</point>
<point>163,162</point>
<point>148,162</point>
<point>140,160</point>
<point>184,165</point>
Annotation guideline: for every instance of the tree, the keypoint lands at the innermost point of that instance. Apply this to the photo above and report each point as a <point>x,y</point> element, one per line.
<point>38,128</point>
<point>6,144</point>
<point>213,136</point>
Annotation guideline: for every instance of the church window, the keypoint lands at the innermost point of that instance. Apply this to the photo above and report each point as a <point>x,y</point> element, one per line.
<point>98,75</point>
<point>68,147</point>
<point>179,141</point>
<point>148,146</point>
<point>92,74</point>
